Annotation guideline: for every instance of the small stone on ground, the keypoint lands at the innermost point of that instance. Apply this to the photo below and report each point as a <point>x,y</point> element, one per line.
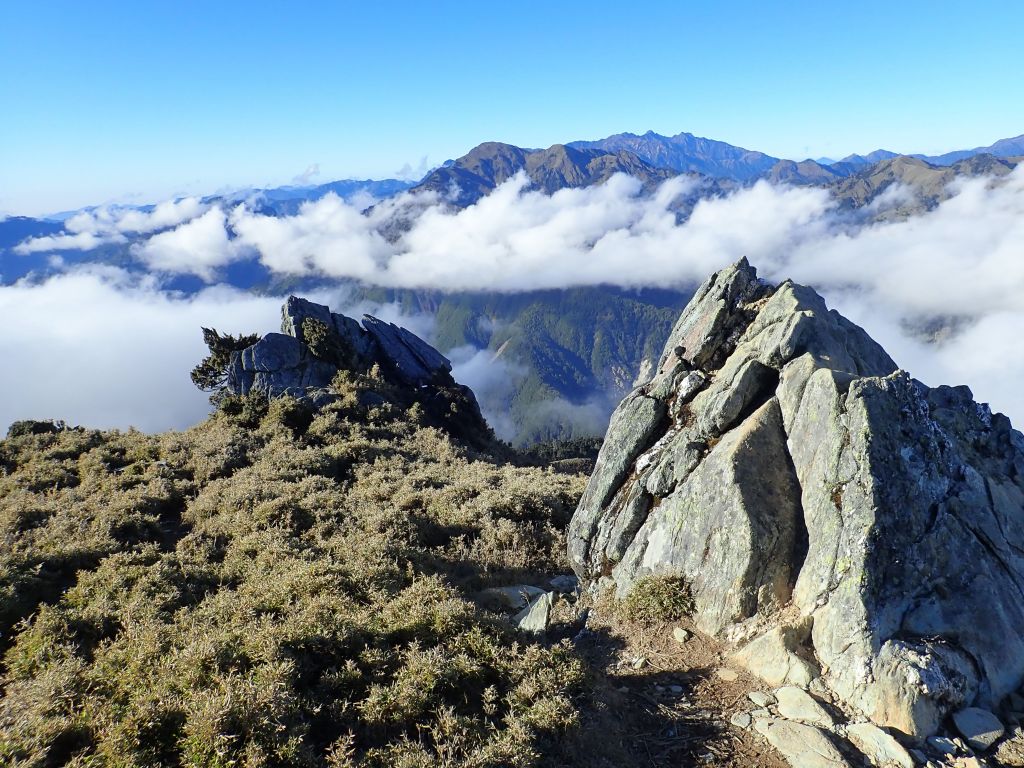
<point>535,617</point>
<point>515,597</point>
<point>942,745</point>
<point>980,727</point>
<point>564,584</point>
<point>726,674</point>
<point>741,720</point>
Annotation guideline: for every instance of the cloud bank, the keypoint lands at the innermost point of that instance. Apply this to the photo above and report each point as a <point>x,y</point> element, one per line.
<point>104,349</point>
<point>91,229</point>
<point>959,266</point>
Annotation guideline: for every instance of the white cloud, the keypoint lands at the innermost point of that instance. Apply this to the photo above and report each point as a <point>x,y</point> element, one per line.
<point>493,380</point>
<point>306,177</point>
<point>91,229</point>
<point>197,247</point>
<point>326,237</point>
<point>82,241</point>
<point>964,260</point>
<point>103,349</point>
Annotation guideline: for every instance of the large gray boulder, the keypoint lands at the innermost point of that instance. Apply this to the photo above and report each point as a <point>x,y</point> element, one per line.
<point>781,463</point>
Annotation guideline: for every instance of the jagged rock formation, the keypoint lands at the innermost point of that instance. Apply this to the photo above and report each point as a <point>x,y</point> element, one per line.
<point>820,502</point>
<point>315,343</point>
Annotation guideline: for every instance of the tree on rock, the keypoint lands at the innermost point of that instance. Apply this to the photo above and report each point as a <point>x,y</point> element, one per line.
<point>211,374</point>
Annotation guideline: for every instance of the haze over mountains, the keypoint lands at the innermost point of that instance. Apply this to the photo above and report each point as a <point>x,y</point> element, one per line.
<point>532,268</point>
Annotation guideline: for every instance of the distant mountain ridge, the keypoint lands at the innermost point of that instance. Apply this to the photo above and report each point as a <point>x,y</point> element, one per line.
<point>483,168</point>
<point>721,160</point>
<point>686,152</point>
<point>286,200</point>
<point>1011,147</point>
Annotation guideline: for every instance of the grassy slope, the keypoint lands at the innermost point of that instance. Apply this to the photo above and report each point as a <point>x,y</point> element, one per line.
<point>274,588</point>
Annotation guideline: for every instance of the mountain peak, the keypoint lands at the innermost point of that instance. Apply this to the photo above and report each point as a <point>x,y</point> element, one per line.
<point>837,478</point>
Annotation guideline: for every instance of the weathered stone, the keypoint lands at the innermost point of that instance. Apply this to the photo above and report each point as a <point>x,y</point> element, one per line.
<point>728,675</point>
<point>275,365</point>
<point>760,698</point>
<point>680,635</point>
<point>729,529</point>
<point>511,598</point>
<point>772,657</point>
<point>980,727</point>
<point>566,584</point>
<point>803,746</point>
<point>741,720</point>
<point>796,704</point>
<point>284,364</point>
<point>412,360</point>
<point>879,747</point>
<point>942,745</point>
<point>801,474</point>
<point>629,433</point>
<point>534,618</point>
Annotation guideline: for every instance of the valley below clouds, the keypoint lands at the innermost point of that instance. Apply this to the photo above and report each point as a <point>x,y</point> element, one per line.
<point>105,346</point>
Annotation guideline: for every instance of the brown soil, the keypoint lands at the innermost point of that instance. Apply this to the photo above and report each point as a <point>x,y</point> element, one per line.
<point>656,702</point>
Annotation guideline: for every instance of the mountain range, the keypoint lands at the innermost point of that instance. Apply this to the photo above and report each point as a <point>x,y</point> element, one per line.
<point>855,181</point>
<point>686,152</point>
<point>566,355</point>
<point>482,169</point>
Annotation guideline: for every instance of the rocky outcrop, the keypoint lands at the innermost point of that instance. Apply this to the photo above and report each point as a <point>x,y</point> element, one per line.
<point>781,464</point>
<point>315,343</point>
<point>284,363</point>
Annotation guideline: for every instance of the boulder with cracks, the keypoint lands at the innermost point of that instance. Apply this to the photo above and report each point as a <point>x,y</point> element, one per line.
<point>783,466</point>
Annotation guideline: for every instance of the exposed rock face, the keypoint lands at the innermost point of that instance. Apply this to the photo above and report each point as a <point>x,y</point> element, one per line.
<point>780,462</point>
<point>315,343</point>
<point>282,363</point>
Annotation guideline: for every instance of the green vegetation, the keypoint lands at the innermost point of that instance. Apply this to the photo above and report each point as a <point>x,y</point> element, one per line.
<point>658,598</point>
<point>277,587</point>
<point>212,372</point>
<point>571,354</point>
<point>326,343</point>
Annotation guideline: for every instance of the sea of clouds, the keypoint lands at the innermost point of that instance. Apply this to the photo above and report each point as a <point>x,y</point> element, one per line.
<point>97,345</point>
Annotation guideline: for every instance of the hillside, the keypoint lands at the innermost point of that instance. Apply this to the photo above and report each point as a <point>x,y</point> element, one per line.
<point>559,360</point>
<point>289,586</point>
<point>274,587</point>
<point>927,184</point>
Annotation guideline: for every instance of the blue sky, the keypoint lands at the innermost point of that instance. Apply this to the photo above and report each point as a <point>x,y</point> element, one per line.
<point>140,101</point>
